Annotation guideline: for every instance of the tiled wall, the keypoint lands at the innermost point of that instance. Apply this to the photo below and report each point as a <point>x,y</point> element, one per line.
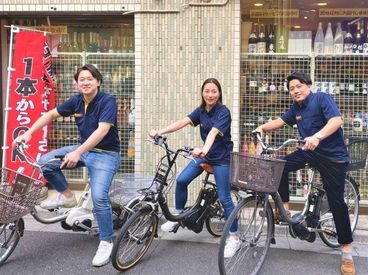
<point>178,44</point>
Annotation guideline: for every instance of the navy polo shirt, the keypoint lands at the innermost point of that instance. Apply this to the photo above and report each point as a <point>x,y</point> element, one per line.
<point>101,109</point>
<point>218,117</point>
<point>311,116</point>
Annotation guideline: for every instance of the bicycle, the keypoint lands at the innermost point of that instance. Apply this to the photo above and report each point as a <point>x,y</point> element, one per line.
<point>258,178</point>
<point>137,234</point>
<point>18,196</point>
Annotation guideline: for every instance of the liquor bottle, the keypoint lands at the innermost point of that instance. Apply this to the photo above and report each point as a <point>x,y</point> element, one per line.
<point>263,87</point>
<point>348,41</point>
<point>339,39</point>
<point>358,42</point>
<point>252,148</point>
<point>271,40</point>
<point>252,41</point>
<point>104,45</point>
<point>75,44</point>
<point>61,45</point>
<point>83,45</point>
<point>68,44</point>
<point>92,44</point>
<point>319,40</point>
<point>111,45</point>
<point>329,40</point>
<point>131,149</point>
<point>253,83</point>
<point>365,44</point>
<point>261,42</point>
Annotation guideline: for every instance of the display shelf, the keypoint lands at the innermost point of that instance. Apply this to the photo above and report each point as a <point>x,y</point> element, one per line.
<point>264,95</point>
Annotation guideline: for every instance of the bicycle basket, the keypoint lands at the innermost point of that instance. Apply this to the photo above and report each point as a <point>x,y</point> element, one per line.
<point>256,173</point>
<point>18,195</point>
<point>358,150</point>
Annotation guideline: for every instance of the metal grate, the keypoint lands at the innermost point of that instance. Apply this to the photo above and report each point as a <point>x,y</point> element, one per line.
<point>264,96</point>
<point>117,70</point>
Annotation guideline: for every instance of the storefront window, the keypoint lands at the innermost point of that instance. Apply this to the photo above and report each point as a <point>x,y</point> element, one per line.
<point>109,45</point>
<point>328,40</point>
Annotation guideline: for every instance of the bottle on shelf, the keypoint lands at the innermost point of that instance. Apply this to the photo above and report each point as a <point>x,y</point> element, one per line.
<point>252,148</point>
<point>365,43</point>
<point>348,41</point>
<point>75,45</point>
<point>83,45</point>
<point>104,44</point>
<point>61,45</point>
<point>271,40</point>
<point>319,40</point>
<point>358,41</point>
<point>261,42</point>
<point>131,147</point>
<point>92,44</point>
<point>252,41</point>
<point>111,45</point>
<point>329,40</point>
<point>339,39</point>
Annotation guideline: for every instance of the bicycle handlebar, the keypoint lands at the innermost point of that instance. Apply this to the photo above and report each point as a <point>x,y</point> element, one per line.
<point>162,142</point>
<point>21,147</point>
<point>267,148</point>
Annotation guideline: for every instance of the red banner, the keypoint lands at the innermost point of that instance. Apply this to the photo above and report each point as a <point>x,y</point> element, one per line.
<point>31,95</point>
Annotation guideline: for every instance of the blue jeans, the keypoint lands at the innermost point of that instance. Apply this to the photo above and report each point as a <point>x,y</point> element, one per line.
<point>221,174</point>
<point>102,166</point>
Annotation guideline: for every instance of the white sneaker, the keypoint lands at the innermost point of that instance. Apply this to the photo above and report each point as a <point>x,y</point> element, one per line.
<point>103,253</point>
<point>168,226</point>
<point>231,247</point>
<point>59,201</point>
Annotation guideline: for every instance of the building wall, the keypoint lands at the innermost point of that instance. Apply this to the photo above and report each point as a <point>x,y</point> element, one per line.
<point>178,44</point>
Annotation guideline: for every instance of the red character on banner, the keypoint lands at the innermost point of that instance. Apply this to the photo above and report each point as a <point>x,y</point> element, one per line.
<point>31,95</point>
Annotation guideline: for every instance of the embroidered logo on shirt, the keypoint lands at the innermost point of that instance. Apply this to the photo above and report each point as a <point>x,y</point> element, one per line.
<point>299,117</point>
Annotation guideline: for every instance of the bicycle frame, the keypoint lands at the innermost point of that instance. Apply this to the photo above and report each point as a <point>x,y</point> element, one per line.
<point>72,217</point>
<point>160,180</point>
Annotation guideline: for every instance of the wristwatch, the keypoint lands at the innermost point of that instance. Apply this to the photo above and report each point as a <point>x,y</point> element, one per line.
<point>319,136</point>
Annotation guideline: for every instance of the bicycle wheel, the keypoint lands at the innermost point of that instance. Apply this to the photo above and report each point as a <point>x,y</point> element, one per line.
<point>121,213</point>
<point>351,196</point>
<point>215,222</point>
<point>10,234</point>
<point>255,231</point>
<point>134,239</point>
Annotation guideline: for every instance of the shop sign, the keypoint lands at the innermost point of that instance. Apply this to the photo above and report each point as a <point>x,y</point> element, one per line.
<point>274,13</point>
<point>31,95</point>
<point>343,12</point>
<point>52,29</point>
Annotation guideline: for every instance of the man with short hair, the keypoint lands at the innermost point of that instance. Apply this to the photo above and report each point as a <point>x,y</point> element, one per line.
<point>319,124</point>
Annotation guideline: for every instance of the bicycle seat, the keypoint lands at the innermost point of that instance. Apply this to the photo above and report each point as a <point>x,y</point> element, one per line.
<point>207,167</point>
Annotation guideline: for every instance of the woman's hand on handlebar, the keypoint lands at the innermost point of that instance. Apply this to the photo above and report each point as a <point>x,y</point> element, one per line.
<point>198,152</point>
<point>153,133</point>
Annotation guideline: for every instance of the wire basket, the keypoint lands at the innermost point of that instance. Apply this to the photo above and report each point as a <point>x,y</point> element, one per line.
<point>18,195</point>
<point>358,150</point>
<point>256,173</point>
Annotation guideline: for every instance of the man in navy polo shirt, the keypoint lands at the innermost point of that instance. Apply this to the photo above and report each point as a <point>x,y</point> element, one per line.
<point>95,114</point>
<point>319,124</point>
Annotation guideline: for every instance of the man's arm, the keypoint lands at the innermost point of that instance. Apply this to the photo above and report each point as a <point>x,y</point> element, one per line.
<point>331,127</point>
<point>72,158</point>
<point>271,125</point>
<point>44,120</point>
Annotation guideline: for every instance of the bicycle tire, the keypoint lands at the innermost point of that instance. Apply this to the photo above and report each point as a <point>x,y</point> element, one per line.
<point>10,234</point>
<point>134,239</point>
<point>351,196</point>
<point>215,222</point>
<point>255,230</point>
